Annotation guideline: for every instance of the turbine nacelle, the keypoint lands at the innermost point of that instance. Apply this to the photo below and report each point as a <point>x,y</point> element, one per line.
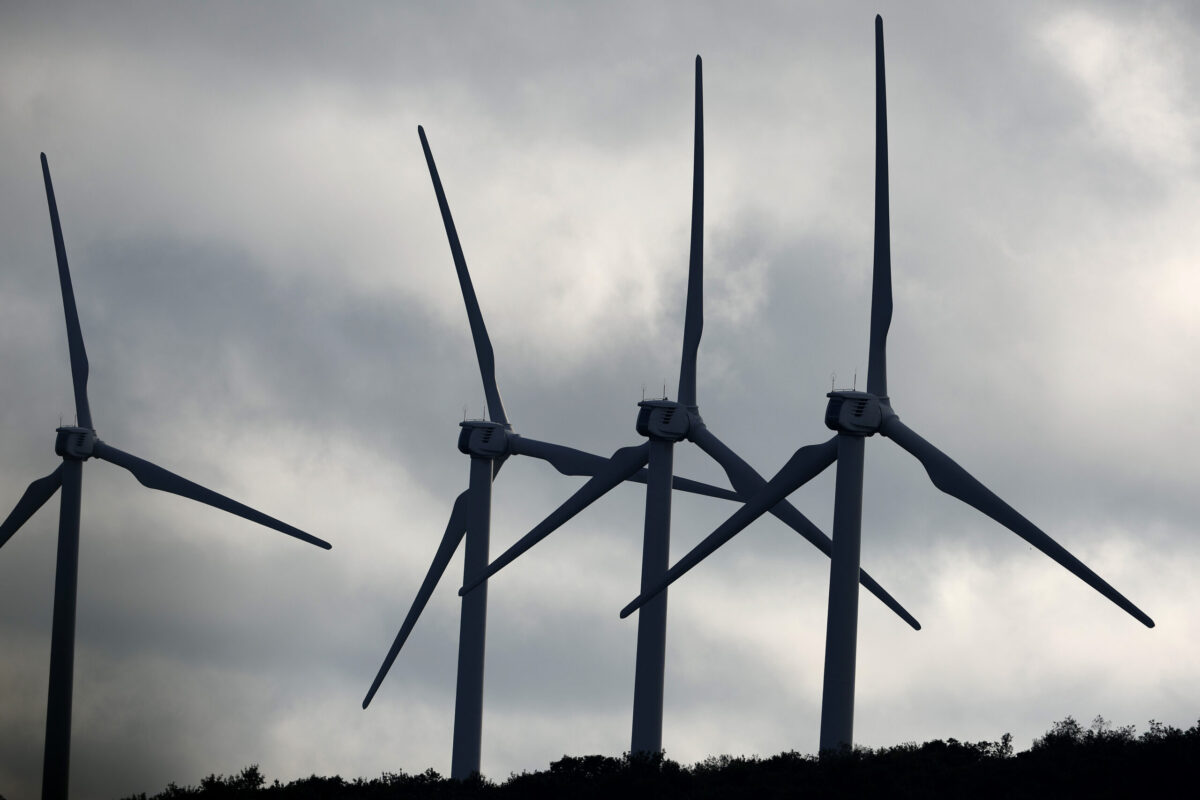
<point>77,444</point>
<point>857,413</point>
<point>665,419</point>
<point>482,439</point>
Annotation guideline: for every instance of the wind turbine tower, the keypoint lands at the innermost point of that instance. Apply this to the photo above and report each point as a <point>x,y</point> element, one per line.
<point>665,423</point>
<point>856,416</point>
<point>75,444</point>
<point>489,443</point>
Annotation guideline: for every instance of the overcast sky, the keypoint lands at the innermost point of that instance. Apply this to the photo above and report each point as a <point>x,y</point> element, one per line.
<point>270,309</point>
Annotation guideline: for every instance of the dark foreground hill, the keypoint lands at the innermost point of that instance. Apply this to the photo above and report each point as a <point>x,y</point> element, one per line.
<point>1069,761</point>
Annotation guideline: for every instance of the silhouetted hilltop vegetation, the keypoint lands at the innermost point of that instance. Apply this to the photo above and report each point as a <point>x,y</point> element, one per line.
<point>1068,761</point>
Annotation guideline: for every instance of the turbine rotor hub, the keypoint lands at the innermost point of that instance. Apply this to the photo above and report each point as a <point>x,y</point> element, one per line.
<point>74,443</point>
<point>482,439</point>
<point>664,419</point>
<point>857,413</point>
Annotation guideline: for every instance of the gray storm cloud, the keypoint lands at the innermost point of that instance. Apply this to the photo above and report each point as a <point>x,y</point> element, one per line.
<point>270,309</point>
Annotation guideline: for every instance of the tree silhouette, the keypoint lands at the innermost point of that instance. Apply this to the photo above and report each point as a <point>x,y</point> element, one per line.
<point>1069,760</point>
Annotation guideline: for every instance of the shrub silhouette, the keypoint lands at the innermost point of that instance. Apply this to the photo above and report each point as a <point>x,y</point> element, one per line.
<point>1099,761</point>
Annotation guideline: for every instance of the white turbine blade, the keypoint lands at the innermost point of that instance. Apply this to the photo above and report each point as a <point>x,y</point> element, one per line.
<point>456,528</point>
<point>624,462</point>
<point>155,477</point>
<point>570,461</point>
<point>483,344</point>
<point>747,481</point>
<point>881,282</point>
<point>79,360</point>
<point>957,482</point>
<point>803,466</point>
<point>34,498</point>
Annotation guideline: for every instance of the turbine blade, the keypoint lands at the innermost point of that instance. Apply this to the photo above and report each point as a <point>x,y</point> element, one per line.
<point>957,482</point>
<point>747,481</point>
<point>695,487</point>
<point>693,325</point>
<point>79,360</point>
<point>456,528</point>
<point>483,345</point>
<point>805,464</point>
<point>881,285</point>
<point>567,460</point>
<point>34,498</point>
<point>624,462</point>
<point>155,477</point>
<point>570,461</point>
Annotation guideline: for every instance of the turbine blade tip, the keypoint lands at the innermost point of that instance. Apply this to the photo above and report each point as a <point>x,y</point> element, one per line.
<point>878,20</point>
<point>43,158</point>
<point>698,59</point>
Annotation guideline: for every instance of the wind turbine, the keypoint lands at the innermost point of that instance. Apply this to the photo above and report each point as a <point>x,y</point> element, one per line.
<point>856,416</point>
<point>665,422</point>
<point>76,444</point>
<point>489,443</point>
